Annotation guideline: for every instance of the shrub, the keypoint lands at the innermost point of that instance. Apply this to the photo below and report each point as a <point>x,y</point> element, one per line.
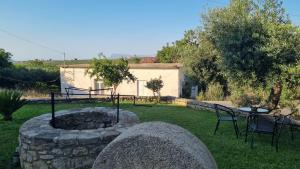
<point>35,94</point>
<point>287,97</point>
<point>297,110</point>
<point>247,99</point>
<point>201,96</point>
<point>214,92</point>
<point>155,85</point>
<point>247,96</point>
<point>28,79</point>
<point>297,93</point>
<point>10,101</point>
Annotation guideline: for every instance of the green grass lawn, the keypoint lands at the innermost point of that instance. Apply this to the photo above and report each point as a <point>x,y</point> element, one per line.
<point>228,151</point>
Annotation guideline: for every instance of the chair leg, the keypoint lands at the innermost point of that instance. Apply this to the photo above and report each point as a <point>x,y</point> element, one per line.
<point>275,130</point>
<point>247,127</point>
<point>217,126</point>
<point>235,129</point>
<point>252,139</point>
<point>273,135</point>
<point>277,142</point>
<point>292,133</point>
<point>278,135</point>
<point>252,136</point>
<point>239,124</point>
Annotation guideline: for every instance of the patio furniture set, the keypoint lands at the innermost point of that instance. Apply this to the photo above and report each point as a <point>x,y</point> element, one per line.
<point>259,120</point>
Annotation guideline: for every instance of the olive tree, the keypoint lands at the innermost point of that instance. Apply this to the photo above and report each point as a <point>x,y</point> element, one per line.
<point>199,57</point>
<point>255,40</point>
<point>112,72</point>
<point>5,59</point>
<point>201,62</point>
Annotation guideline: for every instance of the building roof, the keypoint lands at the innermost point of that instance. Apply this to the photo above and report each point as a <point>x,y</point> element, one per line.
<point>135,66</point>
<point>148,60</point>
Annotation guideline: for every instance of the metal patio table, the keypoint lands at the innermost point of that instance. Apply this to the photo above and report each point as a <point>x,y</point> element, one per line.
<point>252,114</point>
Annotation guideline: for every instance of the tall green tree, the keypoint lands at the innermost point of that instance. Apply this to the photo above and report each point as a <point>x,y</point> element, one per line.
<point>168,54</point>
<point>199,56</point>
<point>5,59</point>
<point>111,72</point>
<point>176,51</point>
<point>239,36</point>
<point>255,40</point>
<point>201,61</point>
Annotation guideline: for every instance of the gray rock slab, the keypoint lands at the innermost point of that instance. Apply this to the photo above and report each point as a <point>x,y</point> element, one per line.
<point>155,145</point>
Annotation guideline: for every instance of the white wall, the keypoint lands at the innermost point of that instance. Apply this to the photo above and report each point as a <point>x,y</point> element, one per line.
<point>75,77</point>
<point>172,79</point>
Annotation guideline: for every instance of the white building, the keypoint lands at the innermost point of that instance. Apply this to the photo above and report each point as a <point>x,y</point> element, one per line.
<point>171,75</point>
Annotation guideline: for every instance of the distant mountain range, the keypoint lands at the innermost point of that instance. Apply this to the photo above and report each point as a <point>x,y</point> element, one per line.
<point>143,59</point>
<point>118,55</point>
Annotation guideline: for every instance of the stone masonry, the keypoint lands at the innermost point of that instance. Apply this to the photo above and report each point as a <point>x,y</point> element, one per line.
<point>45,147</point>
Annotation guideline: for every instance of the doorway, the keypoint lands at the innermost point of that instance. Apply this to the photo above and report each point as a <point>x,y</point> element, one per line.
<point>141,88</point>
<point>99,85</point>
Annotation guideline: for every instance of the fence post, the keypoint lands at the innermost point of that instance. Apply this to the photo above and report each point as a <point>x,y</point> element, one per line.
<point>134,100</point>
<point>90,96</point>
<point>53,109</point>
<point>118,107</point>
<point>111,97</point>
<point>67,92</point>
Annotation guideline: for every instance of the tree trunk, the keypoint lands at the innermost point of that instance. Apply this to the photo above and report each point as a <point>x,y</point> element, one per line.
<point>154,96</point>
<point>275,94</point>
<point>158,97</point>
<point>114,94</point>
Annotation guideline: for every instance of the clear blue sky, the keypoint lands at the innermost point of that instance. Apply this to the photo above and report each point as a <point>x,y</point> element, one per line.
<point>83,28</point>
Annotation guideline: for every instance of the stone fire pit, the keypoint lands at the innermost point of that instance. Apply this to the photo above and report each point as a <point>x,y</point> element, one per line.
<point>79,136</point>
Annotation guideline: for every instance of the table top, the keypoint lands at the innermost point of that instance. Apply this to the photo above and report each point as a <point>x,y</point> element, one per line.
<point>249,110</point>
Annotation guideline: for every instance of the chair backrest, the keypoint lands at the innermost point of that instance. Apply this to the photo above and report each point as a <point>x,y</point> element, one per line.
<point>285,115</point>
<point>220,108</point>
<point>264,123</point>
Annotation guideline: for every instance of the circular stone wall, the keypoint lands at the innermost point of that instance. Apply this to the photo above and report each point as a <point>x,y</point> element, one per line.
<point>155,145</point>
<point>85,120</point>
<point>77,141</point>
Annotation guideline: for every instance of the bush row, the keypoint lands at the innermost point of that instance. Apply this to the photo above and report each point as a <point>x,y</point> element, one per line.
<point>23,78</point>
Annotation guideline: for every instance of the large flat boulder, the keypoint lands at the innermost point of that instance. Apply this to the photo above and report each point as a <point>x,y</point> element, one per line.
<point>155,145</point>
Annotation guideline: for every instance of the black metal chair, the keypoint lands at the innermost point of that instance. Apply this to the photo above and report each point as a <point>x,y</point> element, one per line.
<point>269,124</point>
<point>263,123</point>
<point>226,114</point>
<point>285,118</point>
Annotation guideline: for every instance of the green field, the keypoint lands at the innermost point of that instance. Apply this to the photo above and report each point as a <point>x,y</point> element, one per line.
<point>228,151</point>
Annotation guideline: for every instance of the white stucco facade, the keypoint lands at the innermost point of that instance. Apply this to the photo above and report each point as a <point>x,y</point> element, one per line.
<point>171,75</point>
